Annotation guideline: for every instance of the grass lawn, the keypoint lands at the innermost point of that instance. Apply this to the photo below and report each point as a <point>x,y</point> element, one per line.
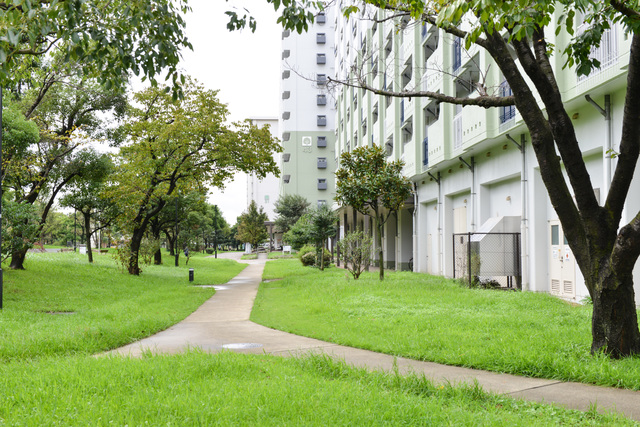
<point>235,389</point>
<point>430,318</point>
<point>63,305</point>
<point>48,375</point>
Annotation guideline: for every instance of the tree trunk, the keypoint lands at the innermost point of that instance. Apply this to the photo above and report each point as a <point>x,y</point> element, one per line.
<point>614,322</point>
<point>136,240</point>
<point>87,226</point>
<point>157,256</point>
<point>380,226</point>
<point>17,259</point>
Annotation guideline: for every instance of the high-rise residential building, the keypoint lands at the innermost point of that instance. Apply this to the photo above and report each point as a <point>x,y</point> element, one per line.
<point>265,191</point>
<point>474,170</point>
<point>308,112</point>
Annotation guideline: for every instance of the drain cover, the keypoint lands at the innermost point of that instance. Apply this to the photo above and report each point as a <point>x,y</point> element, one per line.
<point>242,345</point>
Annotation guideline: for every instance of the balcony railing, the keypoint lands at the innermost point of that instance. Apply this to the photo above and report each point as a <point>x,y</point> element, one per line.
<point>607,53</point>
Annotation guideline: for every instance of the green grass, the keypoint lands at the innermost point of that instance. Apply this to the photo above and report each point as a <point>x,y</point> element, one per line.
<point>234,389</point>
<point>110,308</point>
<point>430,318</point>
<point>280,255</point>
<point>249,256</point>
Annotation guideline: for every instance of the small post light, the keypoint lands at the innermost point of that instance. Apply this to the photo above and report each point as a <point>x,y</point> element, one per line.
<point>191,274</point>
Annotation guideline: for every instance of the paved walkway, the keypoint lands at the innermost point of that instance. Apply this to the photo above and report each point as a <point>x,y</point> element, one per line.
<point>222,322</point>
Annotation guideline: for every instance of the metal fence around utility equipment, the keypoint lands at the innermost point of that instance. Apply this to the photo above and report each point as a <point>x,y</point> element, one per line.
<point>488,259</point>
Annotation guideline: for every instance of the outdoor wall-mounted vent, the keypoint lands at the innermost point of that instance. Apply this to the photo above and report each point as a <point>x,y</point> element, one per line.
<point>286,178</point>
<point>322,141</point>
<point>286,157</point>
<point>286,115</point>
<point>286,136</point>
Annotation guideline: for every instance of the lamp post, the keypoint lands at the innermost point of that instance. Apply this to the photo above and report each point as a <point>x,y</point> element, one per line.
<point>176,241</point>
<point>1,179</point>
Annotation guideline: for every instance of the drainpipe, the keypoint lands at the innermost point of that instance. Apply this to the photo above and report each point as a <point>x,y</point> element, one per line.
<point>415,224</point>
<point>524,229</point>
<point>472,168</point>
<point>606,148</point>
<point>439,213</point>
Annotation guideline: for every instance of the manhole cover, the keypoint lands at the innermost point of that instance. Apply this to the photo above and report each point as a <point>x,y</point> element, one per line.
<point>242,345</point>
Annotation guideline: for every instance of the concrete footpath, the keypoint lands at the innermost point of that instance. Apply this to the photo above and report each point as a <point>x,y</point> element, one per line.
<point>222,322</point>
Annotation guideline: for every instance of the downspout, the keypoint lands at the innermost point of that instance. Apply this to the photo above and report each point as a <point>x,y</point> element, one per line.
<point>524,229</point>
<point>472,168</point>
<point>439,213</point>
<point>415,224</point>
<point>606,148</point>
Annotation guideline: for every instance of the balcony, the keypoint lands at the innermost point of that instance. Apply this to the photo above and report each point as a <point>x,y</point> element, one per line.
<point>457,128</point>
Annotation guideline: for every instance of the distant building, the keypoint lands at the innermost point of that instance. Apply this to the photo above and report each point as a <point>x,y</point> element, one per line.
<point>308,112</point>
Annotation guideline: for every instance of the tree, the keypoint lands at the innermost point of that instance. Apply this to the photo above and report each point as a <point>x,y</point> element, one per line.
<point>85,196</point>
<point>289,208</point>
<point>180,145</point>
<point>322,226</point>
<point>371,185</point>
<point>251,228</point>
<point>355,251</point>
<point>298,234</point>
<point>110,38</point>
<point>515,36</point>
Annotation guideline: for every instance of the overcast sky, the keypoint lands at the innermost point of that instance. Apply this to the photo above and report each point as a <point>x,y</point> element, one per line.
<point>244,66</point>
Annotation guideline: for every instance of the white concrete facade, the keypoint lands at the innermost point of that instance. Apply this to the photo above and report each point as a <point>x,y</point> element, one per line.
<point>468,169</point>
<point>265,191</point>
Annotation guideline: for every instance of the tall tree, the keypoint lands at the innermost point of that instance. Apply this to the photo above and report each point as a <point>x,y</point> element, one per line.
<point>180,145</point>
<point>289,207</point>
<point>110,38</point>
<point>515,35</point>
<point>85,196</point>
<point>251,227</point>
<point>371,185</point>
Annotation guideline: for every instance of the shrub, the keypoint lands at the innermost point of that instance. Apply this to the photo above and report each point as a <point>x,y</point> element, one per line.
<point>209,250</point>
<point>308,259</point>
<point>355,251</point>
<point>305,250</point>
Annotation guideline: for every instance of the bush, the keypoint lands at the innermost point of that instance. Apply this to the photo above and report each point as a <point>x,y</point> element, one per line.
<point>355,251</point>
<point>308,259</point>
<point>308,256</point>
<point>209,251</point>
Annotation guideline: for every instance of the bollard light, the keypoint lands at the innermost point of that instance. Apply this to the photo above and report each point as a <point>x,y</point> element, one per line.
<point>191,274</point>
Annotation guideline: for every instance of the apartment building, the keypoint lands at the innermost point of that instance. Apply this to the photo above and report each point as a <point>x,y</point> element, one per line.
<point>308,112</point>
<point>473,169</point>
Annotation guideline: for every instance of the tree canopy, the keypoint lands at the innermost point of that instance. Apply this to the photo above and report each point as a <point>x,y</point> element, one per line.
<point>251,227</point>
<point>371,185</point>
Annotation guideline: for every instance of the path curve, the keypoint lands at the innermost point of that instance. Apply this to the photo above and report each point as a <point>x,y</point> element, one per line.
<point>222,322</point>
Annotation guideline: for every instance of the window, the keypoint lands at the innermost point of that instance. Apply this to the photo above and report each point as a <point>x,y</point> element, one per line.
<point>321,58</point>
<point>322,162</point>
<point>321,100</point>
<point>425,152</point>
<point>457,53</point>
<point>322,184</point>
<point>321,38</point>
<point>322,120</point>
<point>322,203</point>
<point>509,112</point>
<point>322,141</point>
<point>266,199</point>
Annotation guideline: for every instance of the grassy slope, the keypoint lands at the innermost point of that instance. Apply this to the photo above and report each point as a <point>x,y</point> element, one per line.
<point>430,318</point>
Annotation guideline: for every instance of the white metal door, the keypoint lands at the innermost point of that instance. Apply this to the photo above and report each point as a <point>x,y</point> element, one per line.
<point>562,267</point>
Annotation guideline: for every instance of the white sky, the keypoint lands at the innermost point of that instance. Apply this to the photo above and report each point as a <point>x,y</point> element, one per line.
<point>244,66</point>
